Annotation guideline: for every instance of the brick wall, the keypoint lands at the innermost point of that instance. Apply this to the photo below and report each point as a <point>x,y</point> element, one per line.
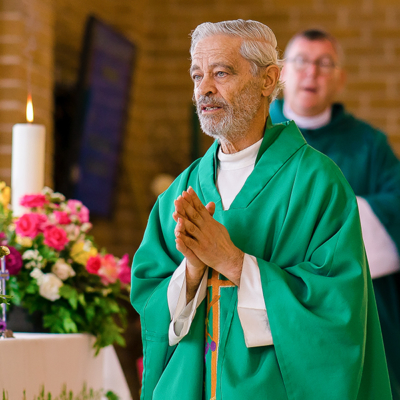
<point>26,64</point>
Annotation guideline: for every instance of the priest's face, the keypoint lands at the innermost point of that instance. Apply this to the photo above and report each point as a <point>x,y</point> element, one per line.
<point>228,97</point>
<point>312,76</point>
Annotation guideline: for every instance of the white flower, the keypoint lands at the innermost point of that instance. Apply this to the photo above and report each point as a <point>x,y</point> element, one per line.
<point>58,196</point>
<point>37,274</point>
<point>32,255</point>
<point>86,226</point>
<point>49,286</point>
<point>72,232</point>
<point>74,218</point>
<point>35,259</point>
<point>52,219</point>
<point>31,264</point>
<point>62,269</point>
<point>47,190</point>
<point>87,246</point>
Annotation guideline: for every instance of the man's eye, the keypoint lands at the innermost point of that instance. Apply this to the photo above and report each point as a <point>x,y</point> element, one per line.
<point>301,61</point>
<point>196,78</point>
<point>326,62</point>
<point>221,74</point>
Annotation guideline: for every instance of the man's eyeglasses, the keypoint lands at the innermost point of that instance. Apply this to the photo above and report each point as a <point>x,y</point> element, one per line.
<point>325,65</point>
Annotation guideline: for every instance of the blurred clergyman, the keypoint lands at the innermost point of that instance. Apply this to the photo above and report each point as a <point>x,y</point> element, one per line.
<point>251,281</point>
<point>313,76</point>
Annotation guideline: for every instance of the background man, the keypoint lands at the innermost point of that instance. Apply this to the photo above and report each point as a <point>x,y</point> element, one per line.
<point>264,293</point>
<point>313,76</point>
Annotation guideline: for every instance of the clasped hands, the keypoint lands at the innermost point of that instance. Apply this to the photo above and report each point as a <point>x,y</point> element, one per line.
<point>204,241</point>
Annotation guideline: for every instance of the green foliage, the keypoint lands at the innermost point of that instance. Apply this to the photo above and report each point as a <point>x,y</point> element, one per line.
<point>4,299</point>
<point>111,396</point>
<point>84,394</point>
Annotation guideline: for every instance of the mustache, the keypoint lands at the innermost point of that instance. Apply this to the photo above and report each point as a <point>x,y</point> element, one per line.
<point>209,100</point>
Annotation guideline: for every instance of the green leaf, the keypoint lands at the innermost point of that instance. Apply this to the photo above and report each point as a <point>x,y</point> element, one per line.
<point>111,395</point>
<point>13,290</point>
<point>54,323</point>
<point>71,294</point>
<point>69,325</point>
<point>32,287</point>
<point>81,299</point>
<point>4,299</point>
<point>90,312</point>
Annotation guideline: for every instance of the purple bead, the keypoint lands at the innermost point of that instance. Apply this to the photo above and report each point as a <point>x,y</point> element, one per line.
<point>3,326</point>
<point>213,346</point>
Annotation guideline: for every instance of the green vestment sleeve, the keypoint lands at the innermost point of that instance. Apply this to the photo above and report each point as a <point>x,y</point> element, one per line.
<point>319,309</point>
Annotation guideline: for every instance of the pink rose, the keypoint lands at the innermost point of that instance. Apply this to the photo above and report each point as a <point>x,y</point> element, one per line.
<point>62,217</point>
<point>84,214</point>
<point>93,265</point>
<point>108,270</point>
<point>28,225</point>
<point>33,200</point>
<point>55,237</point>
<point>42,222</point>
<point>124,261</point>
<point>77,208</point>
<point>124,274</point>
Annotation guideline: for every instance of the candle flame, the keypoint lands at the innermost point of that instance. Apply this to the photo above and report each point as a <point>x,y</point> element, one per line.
<point>29,109</point>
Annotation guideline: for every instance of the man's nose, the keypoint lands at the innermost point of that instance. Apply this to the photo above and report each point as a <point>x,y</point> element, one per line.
<point>312,69</point>
<point>206,86</point>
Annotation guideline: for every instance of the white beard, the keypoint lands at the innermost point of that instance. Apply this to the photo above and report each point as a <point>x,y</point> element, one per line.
<point>233,125</point>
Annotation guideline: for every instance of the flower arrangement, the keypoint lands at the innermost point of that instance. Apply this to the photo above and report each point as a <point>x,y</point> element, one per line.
<point>57,270</point>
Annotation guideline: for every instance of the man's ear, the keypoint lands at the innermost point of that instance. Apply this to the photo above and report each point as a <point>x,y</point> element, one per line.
<point>270,79</point>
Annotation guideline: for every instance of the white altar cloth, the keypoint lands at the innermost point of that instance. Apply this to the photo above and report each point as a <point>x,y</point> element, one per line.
<point>32,360</point>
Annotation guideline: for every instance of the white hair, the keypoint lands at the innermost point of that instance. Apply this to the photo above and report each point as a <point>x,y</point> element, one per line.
<point>259,45</point>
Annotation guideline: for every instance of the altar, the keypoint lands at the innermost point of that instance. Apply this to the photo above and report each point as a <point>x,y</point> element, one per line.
<point>53,361</point>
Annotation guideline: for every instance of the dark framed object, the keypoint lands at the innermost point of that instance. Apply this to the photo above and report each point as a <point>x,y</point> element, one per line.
<point>102,97</point>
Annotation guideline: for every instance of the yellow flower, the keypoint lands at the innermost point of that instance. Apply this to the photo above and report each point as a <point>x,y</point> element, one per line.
<point>81,252</point>
<point>24,241</point>
<point>4,251</point>
<point>5,195</point>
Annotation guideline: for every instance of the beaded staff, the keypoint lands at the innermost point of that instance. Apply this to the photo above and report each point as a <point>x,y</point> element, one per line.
<point>4,275</point>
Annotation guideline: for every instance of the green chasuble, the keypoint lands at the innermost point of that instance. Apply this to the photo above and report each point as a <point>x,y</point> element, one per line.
<point>373,171</point>
<point>298,216</point>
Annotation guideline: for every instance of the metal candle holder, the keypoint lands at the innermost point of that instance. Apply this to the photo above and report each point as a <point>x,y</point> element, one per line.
<point>4,275</point>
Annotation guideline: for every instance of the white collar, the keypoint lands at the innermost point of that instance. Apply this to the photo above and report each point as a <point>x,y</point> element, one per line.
<point>241,159</point>
<point>314,122</point>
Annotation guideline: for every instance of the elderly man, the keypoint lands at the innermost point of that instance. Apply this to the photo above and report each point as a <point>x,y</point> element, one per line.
<point>251,280</point>
<point>313,76</point>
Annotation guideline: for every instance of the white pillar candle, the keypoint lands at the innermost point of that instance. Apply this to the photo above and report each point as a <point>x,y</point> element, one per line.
<point>28,155</point>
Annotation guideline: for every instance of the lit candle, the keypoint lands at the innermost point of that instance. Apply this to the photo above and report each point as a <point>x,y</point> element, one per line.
<point>28,155</point>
